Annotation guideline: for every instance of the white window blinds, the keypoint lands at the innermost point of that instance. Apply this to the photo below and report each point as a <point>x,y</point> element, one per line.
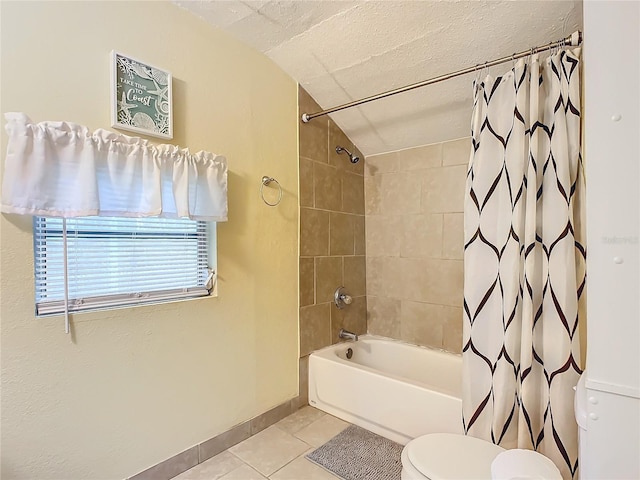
<point>119,261</point>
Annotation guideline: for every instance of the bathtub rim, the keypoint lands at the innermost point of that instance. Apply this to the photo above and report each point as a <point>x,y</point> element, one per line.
<point>326,353</point>
<point>371,336</point>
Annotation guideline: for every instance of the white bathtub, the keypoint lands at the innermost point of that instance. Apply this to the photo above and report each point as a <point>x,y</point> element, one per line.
<point>394,389</point>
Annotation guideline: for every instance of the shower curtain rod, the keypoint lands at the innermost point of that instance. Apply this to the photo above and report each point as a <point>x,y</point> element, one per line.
<point>572,40</point>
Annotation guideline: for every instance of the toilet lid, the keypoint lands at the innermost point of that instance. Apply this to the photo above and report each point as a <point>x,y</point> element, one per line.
<point>449,456</point>
<point>518,464</point>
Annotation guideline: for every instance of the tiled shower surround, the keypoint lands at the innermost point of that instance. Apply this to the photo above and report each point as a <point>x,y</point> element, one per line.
<point>332,243</point>
<point>414,243</point>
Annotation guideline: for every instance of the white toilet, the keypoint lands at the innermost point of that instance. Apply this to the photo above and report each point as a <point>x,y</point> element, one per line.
<point>448,456</point>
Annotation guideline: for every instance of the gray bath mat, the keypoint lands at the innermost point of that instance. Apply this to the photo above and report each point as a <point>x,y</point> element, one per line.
<point>358,454</point>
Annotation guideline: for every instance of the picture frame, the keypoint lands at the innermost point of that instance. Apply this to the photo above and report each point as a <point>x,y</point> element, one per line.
<point>141,97</point>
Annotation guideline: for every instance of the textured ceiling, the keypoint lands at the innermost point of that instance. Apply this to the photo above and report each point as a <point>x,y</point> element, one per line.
<point>340,51</point>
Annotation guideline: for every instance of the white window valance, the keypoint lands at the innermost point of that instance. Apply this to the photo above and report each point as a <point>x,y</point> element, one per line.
<point>61,169</point>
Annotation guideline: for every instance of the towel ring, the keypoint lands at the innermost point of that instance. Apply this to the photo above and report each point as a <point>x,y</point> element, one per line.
<point>266,181</point>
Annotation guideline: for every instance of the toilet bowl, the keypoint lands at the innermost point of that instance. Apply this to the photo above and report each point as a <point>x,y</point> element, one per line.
<point>447,456</point>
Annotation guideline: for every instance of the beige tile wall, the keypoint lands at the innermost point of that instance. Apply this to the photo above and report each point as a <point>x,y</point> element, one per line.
<point>414,242</point>
<point>332,231</point>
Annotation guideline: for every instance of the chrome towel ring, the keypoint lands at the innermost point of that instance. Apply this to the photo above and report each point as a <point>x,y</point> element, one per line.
<point>266,181</point>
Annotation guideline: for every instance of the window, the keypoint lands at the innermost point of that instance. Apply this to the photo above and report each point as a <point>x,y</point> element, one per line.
<point>116,261</point>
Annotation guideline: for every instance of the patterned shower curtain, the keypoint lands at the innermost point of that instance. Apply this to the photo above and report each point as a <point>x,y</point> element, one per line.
<point>525,259</point>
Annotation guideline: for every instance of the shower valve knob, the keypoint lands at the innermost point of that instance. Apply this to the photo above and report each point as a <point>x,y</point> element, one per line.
<point>341,298</point>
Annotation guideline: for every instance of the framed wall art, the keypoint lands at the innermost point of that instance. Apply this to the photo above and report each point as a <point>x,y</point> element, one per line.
<point>141,99</point>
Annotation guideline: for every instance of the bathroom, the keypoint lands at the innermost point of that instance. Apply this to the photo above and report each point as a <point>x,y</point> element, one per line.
<point>130,388</point>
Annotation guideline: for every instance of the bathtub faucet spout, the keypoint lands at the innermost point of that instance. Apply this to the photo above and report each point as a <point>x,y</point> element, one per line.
<point>347,335</point>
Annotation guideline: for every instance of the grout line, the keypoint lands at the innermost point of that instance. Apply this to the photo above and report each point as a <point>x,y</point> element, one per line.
<point>228,450</point>
<point>442,236</point>
<point>313,184</point>
<point>343,213</point>
<point>315,296</point>
<point>332,256</point>
<point>296,458</point>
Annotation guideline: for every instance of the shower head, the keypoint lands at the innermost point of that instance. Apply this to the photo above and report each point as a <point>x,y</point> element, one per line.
<point>352,157</point>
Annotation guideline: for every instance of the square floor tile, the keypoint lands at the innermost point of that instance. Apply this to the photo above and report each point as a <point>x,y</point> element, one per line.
<point>300,419</point>
<point>245,472</point>
<point>300,469</point>
<point>322,430</point>
<point>269,450</point>
<point>212,469</point>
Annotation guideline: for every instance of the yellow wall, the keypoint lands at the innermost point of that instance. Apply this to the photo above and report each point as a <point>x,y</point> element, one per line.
<point>135,386</point>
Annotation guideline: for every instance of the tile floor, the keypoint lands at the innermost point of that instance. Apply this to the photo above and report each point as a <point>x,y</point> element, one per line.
<point>276,453</point>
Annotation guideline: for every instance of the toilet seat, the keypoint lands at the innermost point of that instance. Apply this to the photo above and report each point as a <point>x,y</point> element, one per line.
<point>523,465</point>
<point>448,456</point>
